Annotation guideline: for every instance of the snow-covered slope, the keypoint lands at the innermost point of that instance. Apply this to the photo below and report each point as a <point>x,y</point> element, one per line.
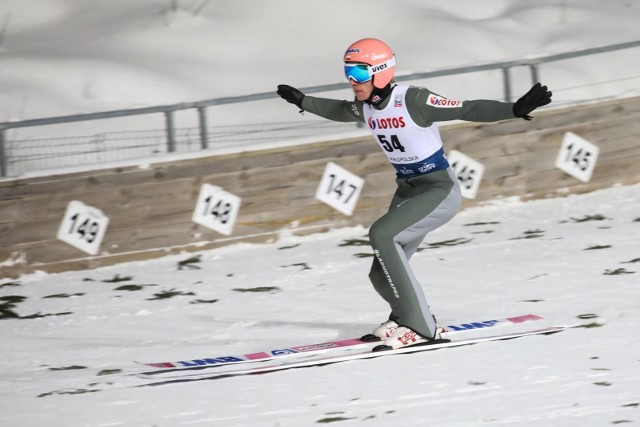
<point>573,260</point>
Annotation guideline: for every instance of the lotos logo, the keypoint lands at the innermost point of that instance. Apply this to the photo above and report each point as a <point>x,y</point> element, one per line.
<point>440,102</point>
<point>389,123</point>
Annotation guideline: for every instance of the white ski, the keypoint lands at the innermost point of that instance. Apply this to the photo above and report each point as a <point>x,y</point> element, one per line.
<point>319,359</point>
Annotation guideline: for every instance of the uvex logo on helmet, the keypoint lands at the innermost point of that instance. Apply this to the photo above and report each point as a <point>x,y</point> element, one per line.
<point>377,68</point>
<point>386,123</point>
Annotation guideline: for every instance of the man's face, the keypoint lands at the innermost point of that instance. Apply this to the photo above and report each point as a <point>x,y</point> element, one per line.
<point>362,90</point>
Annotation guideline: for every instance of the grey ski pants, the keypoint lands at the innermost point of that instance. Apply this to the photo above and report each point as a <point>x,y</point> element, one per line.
<point>419,205</point>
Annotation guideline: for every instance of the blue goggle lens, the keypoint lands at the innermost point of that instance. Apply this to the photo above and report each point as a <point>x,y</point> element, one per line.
<point>358,72</point>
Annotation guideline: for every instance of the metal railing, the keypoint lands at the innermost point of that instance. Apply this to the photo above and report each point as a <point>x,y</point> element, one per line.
<point>170,130</point>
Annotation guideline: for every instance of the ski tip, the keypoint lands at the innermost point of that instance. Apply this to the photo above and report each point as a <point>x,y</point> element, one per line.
<point>156,365</point>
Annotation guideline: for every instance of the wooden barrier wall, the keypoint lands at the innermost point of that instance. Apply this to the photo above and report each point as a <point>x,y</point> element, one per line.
<point>150,209</point>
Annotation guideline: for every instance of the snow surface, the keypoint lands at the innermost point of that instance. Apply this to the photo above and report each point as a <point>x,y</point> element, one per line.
<point>573,260</point>
<point>67,360</point>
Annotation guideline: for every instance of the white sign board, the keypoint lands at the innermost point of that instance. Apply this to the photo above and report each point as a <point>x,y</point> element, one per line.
<point>339,188</point>
<point>216,209</point>
<point>468,171</point>
<point>577,157</point>
<point>83,227</point>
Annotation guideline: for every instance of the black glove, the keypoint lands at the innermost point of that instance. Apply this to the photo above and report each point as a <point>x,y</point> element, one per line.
<point>291,94</point>
<point>537,96</point>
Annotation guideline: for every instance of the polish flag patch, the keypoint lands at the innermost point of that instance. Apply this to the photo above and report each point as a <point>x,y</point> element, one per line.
<point>440,102</point>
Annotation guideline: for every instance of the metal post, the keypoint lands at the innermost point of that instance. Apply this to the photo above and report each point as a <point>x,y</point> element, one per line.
<point>3,154</point>
<point>534,73</point>
<point>507,84</point>
<point>204,131</point>
<point>171,134</point>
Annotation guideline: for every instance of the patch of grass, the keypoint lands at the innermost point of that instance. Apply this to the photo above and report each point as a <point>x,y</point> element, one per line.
<point>355,242</point>
<point>633,261</point>
<point>596,217</point>
<point>39,315</point>
<point>288,247</point>
<point>10,284</point>
<point>304,265</point>
<point>189,263</point>
<point>132,287</point>
<point>68,368</point>
<point>363,255</point>
<point>7,304</point>
<point>68,391</point>
<point>204,301</point>
<point>258,289</point>
<point>108,372</point>
<point>631,405</point>
<point>590,325</point>
<point>64,295</point>
<point>169,294</point>
<point>474,224</point>
<point>530,234</point>
<point>447,243</point>
<point>328,420</point>
<point>12,299</point>
<point>617,272</point>
<point>603,383</point>
<point>129,288</point>
<point>117,279</point>
<point>6,313</point>
<point>596,247</point>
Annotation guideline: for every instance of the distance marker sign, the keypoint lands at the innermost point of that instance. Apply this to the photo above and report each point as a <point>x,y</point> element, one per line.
<point>468,171</point>
<point>83,227</point>
<point>339,188</point>
<point>216,209</point>
<point>577,157</point>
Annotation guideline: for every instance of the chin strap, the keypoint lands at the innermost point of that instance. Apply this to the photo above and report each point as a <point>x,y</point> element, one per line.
<point>379,95</point>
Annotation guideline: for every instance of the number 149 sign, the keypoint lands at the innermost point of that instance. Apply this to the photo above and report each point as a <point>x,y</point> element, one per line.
<point>83,227</point>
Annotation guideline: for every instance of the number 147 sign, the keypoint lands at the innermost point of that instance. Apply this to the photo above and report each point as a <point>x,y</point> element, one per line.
<point>339,188</point>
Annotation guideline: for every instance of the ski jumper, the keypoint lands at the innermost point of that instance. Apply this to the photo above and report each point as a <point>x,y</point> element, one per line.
<point>427,193</point>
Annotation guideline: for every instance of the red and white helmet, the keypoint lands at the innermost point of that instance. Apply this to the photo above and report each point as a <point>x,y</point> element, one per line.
<point>377,55</point>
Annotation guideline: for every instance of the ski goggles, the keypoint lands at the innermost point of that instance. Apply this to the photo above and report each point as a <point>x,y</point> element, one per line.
<point>361,73</point>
